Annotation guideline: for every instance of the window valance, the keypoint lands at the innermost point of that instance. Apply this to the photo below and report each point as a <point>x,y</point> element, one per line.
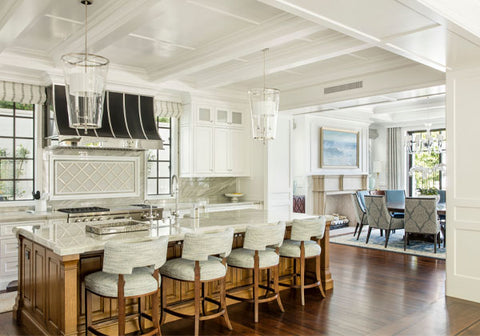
<point>22,93</point>
<point>168,109</point>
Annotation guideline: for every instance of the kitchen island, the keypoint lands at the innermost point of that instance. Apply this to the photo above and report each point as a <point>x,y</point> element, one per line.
<point>54,259</point>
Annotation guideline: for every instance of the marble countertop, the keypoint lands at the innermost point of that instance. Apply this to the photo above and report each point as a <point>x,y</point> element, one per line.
<point>27,215</point>
<point>71,238</point>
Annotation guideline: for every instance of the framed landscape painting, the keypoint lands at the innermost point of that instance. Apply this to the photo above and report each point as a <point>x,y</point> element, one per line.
<point>338,148</point>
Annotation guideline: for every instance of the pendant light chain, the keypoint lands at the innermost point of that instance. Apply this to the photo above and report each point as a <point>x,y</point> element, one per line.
<point>86,29</point>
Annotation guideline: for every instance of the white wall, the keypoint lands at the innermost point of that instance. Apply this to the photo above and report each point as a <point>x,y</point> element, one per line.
<point>306,151</point>
<point>463,197</point>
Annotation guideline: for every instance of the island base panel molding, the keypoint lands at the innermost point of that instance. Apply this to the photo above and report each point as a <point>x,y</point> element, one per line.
<point>47,299</point>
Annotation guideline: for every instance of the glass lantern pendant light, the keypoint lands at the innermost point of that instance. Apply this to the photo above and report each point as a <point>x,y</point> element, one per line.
<point>85,79</point>
<point>264,103</point>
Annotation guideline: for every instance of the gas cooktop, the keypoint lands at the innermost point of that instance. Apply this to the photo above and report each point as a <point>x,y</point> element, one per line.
<point>83,210</point>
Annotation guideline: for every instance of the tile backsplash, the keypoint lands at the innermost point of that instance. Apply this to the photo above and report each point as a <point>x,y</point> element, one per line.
<point>211,189</point>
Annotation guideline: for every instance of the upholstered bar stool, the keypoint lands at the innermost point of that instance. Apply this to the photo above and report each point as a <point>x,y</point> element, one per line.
<point>130,270</point>
<point>198,265</point>
<point>300,247</point>
<point>257,254</point>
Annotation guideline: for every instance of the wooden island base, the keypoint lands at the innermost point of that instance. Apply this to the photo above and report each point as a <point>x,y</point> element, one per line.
<point>51,296</point>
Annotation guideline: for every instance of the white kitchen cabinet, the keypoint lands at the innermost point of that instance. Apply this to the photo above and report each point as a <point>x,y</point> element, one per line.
<point>213,141</point>
<point>238,152</point>
<point>203,151</point>
<point>9,251</point>
<point>221,150</point>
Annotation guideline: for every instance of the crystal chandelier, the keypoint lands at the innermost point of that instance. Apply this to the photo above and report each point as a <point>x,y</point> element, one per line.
<point>425,143</point>
<point>85,79</point>
<point>264,103</point>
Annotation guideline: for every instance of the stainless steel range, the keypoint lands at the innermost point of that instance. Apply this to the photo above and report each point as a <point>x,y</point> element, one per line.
<point>91,214</point>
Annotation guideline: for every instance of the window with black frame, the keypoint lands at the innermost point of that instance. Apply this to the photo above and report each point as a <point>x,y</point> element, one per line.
<point>17,151</point>
<point>427,164</point>
<point>159,161</point>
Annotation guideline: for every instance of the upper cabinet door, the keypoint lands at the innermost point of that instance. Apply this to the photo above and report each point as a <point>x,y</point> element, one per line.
<point>204,115</point>
<point>237,118</point>
<point>203,151</point>
<point>222,116</point>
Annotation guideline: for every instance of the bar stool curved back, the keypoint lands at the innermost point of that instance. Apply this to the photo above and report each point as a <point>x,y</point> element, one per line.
<point>300,247</point>
<point>130,270</point>
<point>260,252</point>
<point>198,265</point>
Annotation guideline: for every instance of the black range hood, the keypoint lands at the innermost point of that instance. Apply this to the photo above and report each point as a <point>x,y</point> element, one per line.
<point>128,118</point>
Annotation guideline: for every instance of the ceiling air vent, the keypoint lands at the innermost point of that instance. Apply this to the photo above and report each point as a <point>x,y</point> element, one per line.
<point>343,87</point>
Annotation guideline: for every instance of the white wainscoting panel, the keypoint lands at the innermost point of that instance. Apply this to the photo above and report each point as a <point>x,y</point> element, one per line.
<point>98,176</point>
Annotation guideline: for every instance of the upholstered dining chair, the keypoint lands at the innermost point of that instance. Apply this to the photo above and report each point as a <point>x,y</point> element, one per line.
<point>360,212</point>
<point>421,217</point>
<point>260,252</point>
<point>130,270</point>
<point>300,247</point>
<point>379,217</point>
<point>199,265</point>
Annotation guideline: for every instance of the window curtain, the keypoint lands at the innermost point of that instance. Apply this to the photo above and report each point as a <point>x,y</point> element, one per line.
<point>22,93</point>
<point>168,109</point>
<point>395,158</point>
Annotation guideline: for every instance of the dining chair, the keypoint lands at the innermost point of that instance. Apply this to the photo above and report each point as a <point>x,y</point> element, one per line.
<point>360,212</point>
<point>379,217</point>
<point>198,265</point>
<point>130,271</point>
<point>260,252</point>
<point>443,196</point>
<point>300,248</point>
<point>421,217</point>
<point>395,196</point>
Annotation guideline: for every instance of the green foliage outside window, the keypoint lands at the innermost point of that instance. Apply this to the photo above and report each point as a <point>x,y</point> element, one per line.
<point>6,188</point>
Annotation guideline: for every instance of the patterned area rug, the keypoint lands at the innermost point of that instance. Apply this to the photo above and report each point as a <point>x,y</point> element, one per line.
<point>7,300</point>
<point>395,244</point>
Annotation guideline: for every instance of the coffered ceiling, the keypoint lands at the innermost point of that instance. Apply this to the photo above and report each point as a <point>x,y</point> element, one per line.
<point>215,45</point>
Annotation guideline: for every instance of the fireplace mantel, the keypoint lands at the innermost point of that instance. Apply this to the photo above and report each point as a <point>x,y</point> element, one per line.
<point>323,185</point>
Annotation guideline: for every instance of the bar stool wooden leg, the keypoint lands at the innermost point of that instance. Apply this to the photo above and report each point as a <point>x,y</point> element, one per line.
<point>223,302</point>
<point>156,306</point>
<point>318,276</point>
<point>203,299</point>
<point>302,272</point>
<point>256,271</point>
<point>140,311</point>
<point>121,306</point>
<point>163,302</point>
<point>277,287</point>
<point>197,297</point>
<point>88,310</point>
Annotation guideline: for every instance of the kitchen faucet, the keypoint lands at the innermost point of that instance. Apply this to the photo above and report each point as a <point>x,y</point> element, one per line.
<point>151,216</point>
<point>174,186</point>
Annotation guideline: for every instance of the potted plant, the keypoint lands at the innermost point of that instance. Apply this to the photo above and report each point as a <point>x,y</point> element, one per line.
<point>429,192</point>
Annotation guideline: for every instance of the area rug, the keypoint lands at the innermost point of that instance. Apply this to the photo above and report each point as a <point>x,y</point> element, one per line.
<point>7,300</point>
<point>395,244</point>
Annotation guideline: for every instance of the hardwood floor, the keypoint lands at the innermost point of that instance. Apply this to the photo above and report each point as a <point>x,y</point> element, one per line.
<point>376,293</point>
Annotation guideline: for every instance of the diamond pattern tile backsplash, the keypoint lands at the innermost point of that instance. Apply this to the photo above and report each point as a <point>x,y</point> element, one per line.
<point>95,176</point>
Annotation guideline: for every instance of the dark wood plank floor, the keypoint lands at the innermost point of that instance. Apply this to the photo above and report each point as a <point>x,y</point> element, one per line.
<point>376,293</point>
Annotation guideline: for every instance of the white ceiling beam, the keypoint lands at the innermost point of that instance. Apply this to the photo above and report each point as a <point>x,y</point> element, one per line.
<point>279,30</point>
<point>311,10</point>
<point>223,7</point>
<point>285,60</point>
<point>18,16</point>
<point>111,22</point>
